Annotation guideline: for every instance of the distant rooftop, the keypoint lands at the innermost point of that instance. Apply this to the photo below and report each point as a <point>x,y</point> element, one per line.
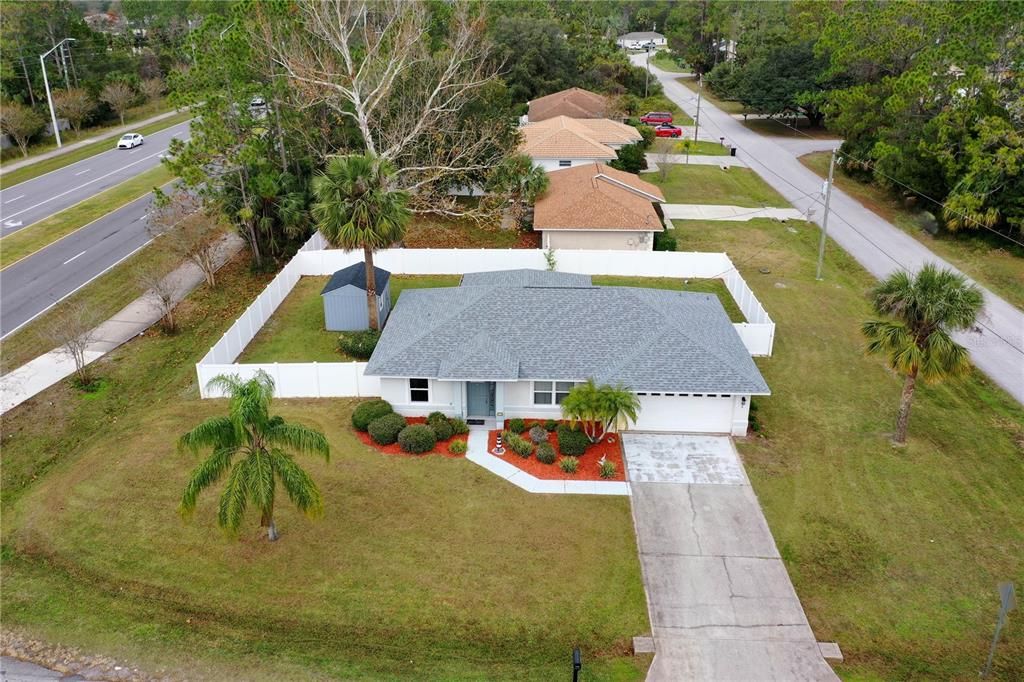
<point>574,103</point>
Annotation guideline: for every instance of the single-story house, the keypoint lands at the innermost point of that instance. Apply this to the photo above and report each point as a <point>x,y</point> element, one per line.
<point>344,298</point>
<point>574,103</point>
<point>598,207</point>
<point>639,40</point>
<point>514,343</point>
<point>563,142</point>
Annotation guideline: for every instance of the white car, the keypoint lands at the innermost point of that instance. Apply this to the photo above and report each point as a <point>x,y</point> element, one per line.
<point>130,140</point>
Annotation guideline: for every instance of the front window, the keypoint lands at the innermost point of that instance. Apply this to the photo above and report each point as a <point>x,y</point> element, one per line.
<point>551,392</point>
<point>564,163</point>
<point>419,390</point>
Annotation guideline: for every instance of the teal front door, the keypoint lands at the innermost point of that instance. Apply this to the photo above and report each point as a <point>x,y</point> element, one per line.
<point>479,398</point>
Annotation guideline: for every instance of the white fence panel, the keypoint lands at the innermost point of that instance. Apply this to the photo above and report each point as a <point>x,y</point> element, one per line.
<point>298,379</point>
<point>758,338</point>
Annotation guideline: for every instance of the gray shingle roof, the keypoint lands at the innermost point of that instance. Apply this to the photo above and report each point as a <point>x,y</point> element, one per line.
<point>647,339</point>
<point>641,35</point>
<point>525,278</point>
<point>355,275</point>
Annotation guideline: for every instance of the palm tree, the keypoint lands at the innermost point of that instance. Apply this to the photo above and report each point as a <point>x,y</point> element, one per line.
<point>357,206</point>
<point>260,441</point>
<point>601,409</point>
<point>927,308</point>
<point>519,179</point>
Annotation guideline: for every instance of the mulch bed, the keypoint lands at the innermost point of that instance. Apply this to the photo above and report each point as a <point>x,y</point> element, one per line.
<point>609,447</point>
<point>395,449</point>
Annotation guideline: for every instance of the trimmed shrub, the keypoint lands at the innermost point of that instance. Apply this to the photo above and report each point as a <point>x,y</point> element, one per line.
<point>664,242</point>
<point>546,453</point>
<point>442,429</point>
<point>516,425</point>
<point>538,434</point>
<point>417,438</point>
<point>607,469</point>
<point>384,430</point>
<point>457,447</point>
<point>569,465</point>
<point>359,344</point>
<point>520,446</point>
<point>436,417</point>
<point>550,425</point>
<point>459,426</point>
<point>368,411</point>
<point>572,442</point>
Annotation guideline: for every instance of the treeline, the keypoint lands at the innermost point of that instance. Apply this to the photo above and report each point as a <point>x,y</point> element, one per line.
<point>928,96</point>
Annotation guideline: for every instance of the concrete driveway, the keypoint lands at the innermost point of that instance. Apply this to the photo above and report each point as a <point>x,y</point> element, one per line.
<point>721,604</point>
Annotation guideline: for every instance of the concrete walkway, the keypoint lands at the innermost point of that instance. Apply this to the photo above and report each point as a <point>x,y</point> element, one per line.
<point>107,134</point>
<point>880,247</point>
<point>721,212</point>
<point>721,604</point>
<point>36,376</point>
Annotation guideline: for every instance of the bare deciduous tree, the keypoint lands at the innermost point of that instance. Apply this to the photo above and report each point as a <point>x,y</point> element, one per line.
<point>119,96</point>
<point>161,292</point>
<point>75,105</point>
<point>187,230</point>
<point>152,88</point>
<point>72,328</point>
<point>376,64</point>
<point>20,123</point>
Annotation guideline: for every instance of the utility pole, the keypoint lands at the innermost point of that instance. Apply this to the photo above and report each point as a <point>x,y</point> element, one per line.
<point>696,121</point>
<point>28,81</point>
<point>64,62</point>
<point>46,83</point>
<point>647,78</point>
<point>824,220</point>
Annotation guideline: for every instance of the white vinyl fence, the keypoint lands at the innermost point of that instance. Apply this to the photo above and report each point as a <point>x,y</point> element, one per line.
<point>336,379</point>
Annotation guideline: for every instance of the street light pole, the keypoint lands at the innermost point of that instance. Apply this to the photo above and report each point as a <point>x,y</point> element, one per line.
<point>46,82</point>
<point>647,78</point>
<point>824,220</point>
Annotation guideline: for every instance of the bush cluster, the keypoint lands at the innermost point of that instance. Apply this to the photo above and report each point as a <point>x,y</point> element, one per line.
<point>569,465</point>
<point>572,442</point>
<point>459,426</point>
<point>550,425</point>
<point>457,447</point>
<point>516,425</point>
<point>440,425</point>
<point>368,411</point>
<point>359,344</point>
<point>606,469</point>
<point>517,444</point>
<point>546,453</point>
<point>417,438</point>
<point>664,242</point>
<point>384,430</point>
<point>538,434</point>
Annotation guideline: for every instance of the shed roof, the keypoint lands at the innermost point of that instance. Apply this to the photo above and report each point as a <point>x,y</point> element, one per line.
<point>597,197</point>
<point>610,334</point>
<point>355,275</point>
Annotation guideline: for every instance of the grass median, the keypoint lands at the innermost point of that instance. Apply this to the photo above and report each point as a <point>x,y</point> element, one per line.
<point>46,165</point>
<point>684,184</point>
<point>28,240</point>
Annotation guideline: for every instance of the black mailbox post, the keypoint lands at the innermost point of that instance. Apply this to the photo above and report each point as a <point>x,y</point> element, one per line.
<point>577,664</point>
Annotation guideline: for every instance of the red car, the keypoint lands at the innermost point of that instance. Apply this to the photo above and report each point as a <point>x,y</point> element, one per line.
<point>668,130</point>
<point>656,117</point>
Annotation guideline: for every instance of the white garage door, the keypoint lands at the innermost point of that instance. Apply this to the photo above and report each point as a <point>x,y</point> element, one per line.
<point>685,413</point>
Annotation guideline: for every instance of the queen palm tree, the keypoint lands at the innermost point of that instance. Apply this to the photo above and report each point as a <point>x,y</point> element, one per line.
<point>917,343</point>
<point>260,443</point>
<point>602,409</point>
<point>358,207</point>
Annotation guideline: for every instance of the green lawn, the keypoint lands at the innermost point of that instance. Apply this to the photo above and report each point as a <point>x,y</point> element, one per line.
<point>712,185</point>
<point>435,232</point>
<point>421,568</point>
<point>45,166</point>
<point>728,106</point>
<point>895,553</point>
<point>28,240</point>
<point>664,60</point>
<point>664,145</point>
<point>295,332</point>
<point>775,127</point>
<point>995,262</point>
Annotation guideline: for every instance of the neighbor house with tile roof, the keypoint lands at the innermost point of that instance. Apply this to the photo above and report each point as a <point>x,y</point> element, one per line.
<point>514,343</point>
<point>563,142</point>
<point>595,206</point>
<point>574,103</point>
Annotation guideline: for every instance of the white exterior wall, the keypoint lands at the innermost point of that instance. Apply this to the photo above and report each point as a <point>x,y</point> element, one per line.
<point>445,396</point>
<point>598,239</point>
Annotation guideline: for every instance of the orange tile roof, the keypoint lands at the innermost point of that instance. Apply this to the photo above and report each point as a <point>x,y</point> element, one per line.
<point>574,102</point>
<point>597,197</point>
<point>570,138</point>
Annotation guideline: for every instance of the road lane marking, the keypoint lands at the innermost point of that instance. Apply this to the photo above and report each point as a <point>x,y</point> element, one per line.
<point>20,196</point>
<point>11,224</point>
<point>72,258</point>
<point>83,172</point>
<point>85,184</point>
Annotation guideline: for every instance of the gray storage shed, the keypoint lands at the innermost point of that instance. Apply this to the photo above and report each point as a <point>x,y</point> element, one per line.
<point>345,298</point>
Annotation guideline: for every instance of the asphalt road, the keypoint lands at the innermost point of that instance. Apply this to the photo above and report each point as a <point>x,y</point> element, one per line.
<point>35,283</point>
<point>880,247</point>
<point>33,200</point>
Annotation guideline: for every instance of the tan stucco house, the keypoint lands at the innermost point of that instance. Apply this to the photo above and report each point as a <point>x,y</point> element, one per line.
<point>595,206</point>
<point>563,142</point>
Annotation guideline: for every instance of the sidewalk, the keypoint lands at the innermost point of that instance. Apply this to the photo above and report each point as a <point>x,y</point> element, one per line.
<point>36,376</point>
<point>111,133</point>
<point>722,212</point>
